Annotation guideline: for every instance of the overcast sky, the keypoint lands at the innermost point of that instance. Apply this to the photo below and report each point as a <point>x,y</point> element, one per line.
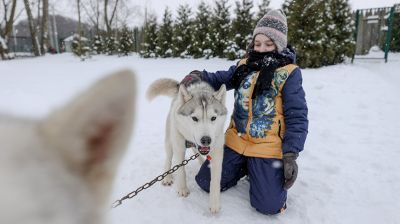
<point>157,6</point>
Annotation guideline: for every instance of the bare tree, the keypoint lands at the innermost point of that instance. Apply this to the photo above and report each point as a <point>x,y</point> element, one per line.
<point>79,20</point>
<point>45,43</point>
<point>6,25</point>
<point>127,13</point>
<point>121,12</point>
<point>93,13</point>
<point>32,28</point>
<point>78,46</point>
<point>109,20</point>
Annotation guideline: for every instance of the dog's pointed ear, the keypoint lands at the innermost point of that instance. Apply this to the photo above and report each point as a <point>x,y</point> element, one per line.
<point>93,130</point>
<point>220,95</point>
<point>184,93</point>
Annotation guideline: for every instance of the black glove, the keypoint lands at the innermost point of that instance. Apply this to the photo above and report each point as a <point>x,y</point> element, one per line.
<point>290,169</point>
<point>193,77</point>
<point>240,73</point>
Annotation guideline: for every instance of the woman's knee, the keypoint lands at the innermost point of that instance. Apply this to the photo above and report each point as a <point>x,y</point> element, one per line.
<point>233,168</point>
<point>203,177</point>
<point>269,207</point>
<point>266,186</point>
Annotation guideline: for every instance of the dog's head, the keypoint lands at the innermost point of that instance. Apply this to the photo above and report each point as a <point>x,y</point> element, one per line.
<point>60,169</point>
<point>202,115</point>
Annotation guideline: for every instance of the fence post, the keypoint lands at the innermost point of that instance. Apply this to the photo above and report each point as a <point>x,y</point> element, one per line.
<point>389,33</point>
<point>355,35</point>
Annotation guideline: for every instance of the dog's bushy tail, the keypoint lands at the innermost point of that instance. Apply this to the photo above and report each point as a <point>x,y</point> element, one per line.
<point>163,87</point>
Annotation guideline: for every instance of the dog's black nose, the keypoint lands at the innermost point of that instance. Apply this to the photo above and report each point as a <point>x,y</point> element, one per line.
<point>205,140</point>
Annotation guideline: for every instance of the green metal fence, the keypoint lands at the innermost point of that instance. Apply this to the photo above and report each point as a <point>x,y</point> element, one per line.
<point>373,32</point>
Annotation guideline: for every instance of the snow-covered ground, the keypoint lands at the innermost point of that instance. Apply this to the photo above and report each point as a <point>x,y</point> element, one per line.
<point>349,171</point>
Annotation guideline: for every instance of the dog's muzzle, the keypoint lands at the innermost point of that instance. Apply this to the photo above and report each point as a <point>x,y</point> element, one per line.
<point>204,150</point>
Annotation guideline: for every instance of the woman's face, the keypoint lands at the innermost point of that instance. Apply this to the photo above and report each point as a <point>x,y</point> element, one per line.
<point>263,44</point>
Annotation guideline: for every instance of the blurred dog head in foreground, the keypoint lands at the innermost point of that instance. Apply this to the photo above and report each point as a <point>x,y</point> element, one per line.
<point>59,170</point>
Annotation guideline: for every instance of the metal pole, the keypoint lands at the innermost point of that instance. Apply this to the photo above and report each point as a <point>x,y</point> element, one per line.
<point>356,34</point>
<point>389,33</point>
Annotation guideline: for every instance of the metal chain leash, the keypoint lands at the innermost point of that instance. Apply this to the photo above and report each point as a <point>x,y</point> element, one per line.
<point>155,180</point>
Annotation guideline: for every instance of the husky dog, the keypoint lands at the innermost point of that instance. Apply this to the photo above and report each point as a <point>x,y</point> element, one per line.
<point>59,170</point>
<point>197,114</point>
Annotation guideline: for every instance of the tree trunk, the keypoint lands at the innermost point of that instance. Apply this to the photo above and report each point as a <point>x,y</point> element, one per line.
<point>79,27</point>
<point>108,21</point>
<point>9,22</point>
<point>108,28</point>
<point>45,27</point>
<point>78,2</point>
<point>2,52</point>
<point>97,17</point>
<point>32,28</point>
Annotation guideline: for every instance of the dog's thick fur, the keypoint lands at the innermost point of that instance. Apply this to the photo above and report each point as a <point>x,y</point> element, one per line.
<point>196,113</point>
<point>59,170</point>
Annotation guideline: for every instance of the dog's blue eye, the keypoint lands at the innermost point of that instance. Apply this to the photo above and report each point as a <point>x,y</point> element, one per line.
<point>195,119</point>
<point>213,118</point>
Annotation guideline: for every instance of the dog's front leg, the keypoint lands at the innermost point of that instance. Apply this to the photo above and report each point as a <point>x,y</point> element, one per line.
<point>179,152</point>
<point>215,185</point>
<point>168,162</point>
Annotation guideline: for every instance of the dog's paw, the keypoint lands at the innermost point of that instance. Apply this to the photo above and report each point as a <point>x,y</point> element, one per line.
<point>167,181</point>
<point>214,204</point>
<point>184,192</point>
<point>214,209</point>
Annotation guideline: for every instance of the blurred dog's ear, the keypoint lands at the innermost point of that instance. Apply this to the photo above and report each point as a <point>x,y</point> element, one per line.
<point>92,131</point>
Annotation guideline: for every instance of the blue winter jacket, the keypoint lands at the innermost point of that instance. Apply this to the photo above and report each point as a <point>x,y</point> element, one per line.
<point>294,109</point>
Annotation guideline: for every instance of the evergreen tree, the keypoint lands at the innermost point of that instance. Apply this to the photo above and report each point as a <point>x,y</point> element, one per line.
<point>233,51</point>
<point>79,46</point>
<point>111,45</point>
<point>263,8</point>
<point>395,44</point>
<point>242,27</point>
<point>182,32</point>
<point>98,44</point>
<point>165,35</point>
<point>221,26</point>
<point>208,46</point>
<point>306,27</point>
<point>339,28</point>
<point>150,38</point>
<point>201,42</point>
<point>126,43</point>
